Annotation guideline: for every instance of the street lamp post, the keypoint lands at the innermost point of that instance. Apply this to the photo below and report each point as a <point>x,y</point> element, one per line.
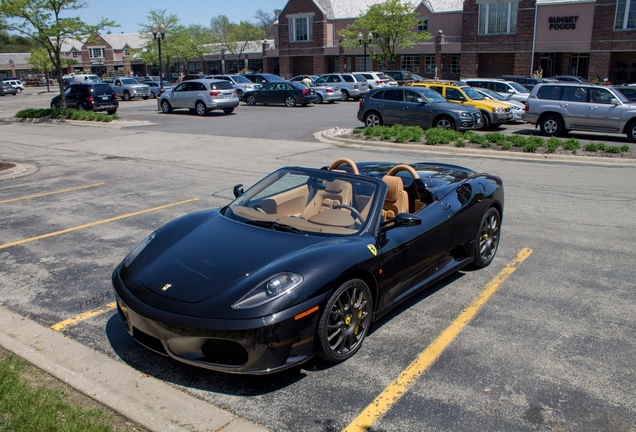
<point>366,43</point>
<point>159,33</point>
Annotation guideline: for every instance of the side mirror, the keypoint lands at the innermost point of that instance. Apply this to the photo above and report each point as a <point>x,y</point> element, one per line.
<point>238,190</point>
<point>614,101</point>
<point>402,220</point>
<point>420,101</point>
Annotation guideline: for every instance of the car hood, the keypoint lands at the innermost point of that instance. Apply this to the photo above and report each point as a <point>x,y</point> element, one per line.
<point>213,256</point>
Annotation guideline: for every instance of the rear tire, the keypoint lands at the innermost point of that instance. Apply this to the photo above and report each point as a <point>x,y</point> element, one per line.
<point>200,108</point>
<point>318,99</point>
<point>551,125</point>
<point>111,112</point>
<point>228,110</point>
<point>487,238</point>
<point>345,95</point>
<point>290,101</point>
<point>372,119</point>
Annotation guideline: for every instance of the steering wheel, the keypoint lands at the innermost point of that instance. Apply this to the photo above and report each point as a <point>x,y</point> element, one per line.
<point>354,211</point>
<point>403,167</point>
<point>346,161</point>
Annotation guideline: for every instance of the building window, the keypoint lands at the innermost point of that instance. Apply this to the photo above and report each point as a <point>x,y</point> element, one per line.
<point>498,18</point>
<point>422,25</point>
<point>625,15</point>
<point>96,53</point>
<point>300,29</point>
<point>126,52</point>
<point>410,63</point>
<point>429,63</point>
<point>455,63</point>
<point>74,54</point>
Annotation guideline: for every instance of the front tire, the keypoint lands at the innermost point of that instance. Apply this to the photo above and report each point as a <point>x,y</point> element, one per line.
<point>485,121</point>
<point>487,238</point>
<point>444,123</point>
<point>201,109</point>
<point>631,132</point>
<point>165,107</point>
<point>372,119</point>
<point>251,100</point>
<point>127,96</point>
<point>345,321</point>
<point>239,94</point>
<point>551,125</point>
<point>290,101</point>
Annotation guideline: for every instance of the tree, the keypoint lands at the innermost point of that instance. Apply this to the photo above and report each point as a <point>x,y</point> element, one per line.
<point>149,53</point>
<point>393,25</point>
<point>266,20</point>
<point>44,22</point>
<point>41,62</point>
<point>235,38</point>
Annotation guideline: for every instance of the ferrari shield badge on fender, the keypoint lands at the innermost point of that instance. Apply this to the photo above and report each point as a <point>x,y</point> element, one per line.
<point>165,287</point>
<point>373,250</point>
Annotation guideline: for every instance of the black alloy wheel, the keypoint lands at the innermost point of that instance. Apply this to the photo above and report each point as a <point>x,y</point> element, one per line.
<point>345,321</point>
<point>487,238</point>
<point>251,100</point>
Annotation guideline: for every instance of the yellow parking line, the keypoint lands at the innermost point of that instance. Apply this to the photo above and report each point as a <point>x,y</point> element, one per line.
<point>92,224</point>
<point>51,193</point>
<point>401,384</point>
<point>84,316</point>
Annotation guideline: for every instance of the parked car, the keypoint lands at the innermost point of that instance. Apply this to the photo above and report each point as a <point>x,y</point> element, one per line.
<point>402,77</point>
<point>6,88</point>
<point>570,78</point>
<point>92,96</point>
<point>143,79</point>
<point>516,107</point>
<point>263,78</point>
<point>156,90</point>
<point>527,81</point>
<point>353,86</point>
<point>240,83</point>
<point>375,79</point>
<point>200,96</point>
<point>324,93</point>
<point>299,78</point>
<point>504,88</point>
<point>130,88</point>
<point>418,106</point>
<point>15,83</point>
<point>559,107</point>
<point>493,113</point>
<point>289,270</point>
<point>189,77</point>
<point>628,90</point>
<point>285,92</point>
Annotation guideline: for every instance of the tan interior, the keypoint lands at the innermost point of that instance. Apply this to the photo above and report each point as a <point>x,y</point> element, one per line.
<point>335,192</point>
<point>397,199</point>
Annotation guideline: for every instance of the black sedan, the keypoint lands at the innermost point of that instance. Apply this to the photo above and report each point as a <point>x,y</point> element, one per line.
<point>303,262</point>
<point>289,93</point>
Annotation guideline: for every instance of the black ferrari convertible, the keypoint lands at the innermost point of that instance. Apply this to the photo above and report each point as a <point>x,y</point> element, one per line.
<point>303,262</point>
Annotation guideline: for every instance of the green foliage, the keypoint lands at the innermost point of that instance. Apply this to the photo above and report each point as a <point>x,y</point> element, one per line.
<point>25,408</point>
<point>571,144</point>
<point>594,147</point>
<point>475,138</point>
<point>495,137</point>
<point>516,140</point>
<point>407,133</point>
<point>553,144</point>
<point>57,113</point>
<point>440,136</point>
<point>460,142</point>
<point>533,144</point>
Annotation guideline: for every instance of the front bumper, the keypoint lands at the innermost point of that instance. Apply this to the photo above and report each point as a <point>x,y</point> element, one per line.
<point>256,346</point>
<point>502,117</point>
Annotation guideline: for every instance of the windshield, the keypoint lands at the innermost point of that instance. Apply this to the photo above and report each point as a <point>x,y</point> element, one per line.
<point>305,201</point>
<point>241,79</point>
<point>492,94</point>
<point>432,95</point>
<point>472,94</point>
<point>129,81</point>
<point>518,87</point>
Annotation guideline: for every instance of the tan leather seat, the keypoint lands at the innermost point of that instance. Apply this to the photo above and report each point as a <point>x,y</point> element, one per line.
<point>335,192</point>
<point>397,199</point>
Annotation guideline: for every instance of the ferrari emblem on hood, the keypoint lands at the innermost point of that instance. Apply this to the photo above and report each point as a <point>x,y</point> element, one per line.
<point>165,287</point>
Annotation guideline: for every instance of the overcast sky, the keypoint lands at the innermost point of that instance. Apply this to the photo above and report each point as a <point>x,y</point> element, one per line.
<point>128,14</point>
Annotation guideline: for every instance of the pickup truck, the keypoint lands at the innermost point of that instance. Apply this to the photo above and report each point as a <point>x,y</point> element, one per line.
<point>128,88</point>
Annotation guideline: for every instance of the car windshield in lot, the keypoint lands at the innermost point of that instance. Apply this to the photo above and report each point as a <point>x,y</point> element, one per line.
<point>316,202</point>
<point>518,87</point>
<point>129,81</point>
<point>432,95</point>
<point>240,79</point>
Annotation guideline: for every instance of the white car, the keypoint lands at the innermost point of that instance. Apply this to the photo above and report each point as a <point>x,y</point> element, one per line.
<point>15,83</point>
<point>376,79</point>
<point>516,107</point>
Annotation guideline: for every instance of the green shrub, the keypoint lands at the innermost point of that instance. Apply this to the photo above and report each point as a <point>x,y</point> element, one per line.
<point>594,147</point>
<point>460,142</point>
<point>516,140</point>
<point>495,137</point>
<point>407,133</point>
<point>571,144</point>
<point>533,144</point>
<point>475,138</point>
<point>440,136</point>
<point>65,113</point>
<point>553,144</point>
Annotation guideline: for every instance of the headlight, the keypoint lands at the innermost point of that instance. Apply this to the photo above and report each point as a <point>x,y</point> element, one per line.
<point>269,290</point>
<point>463,114</point>
<point>137,250</point>
<point>498,110</point>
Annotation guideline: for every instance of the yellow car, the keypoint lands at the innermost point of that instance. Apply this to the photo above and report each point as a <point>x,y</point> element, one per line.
<point>493,113</point>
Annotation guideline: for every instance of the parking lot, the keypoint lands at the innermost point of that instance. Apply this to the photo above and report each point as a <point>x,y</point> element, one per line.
<point>552,348</point>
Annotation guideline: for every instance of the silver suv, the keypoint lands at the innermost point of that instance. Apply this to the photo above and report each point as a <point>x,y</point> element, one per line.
<point>200,96</point>
<point>351,85</point>
<point>559,107</point>
<point>505,88</point>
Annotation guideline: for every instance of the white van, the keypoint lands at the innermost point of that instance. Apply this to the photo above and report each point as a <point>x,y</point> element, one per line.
<point>80,78</point>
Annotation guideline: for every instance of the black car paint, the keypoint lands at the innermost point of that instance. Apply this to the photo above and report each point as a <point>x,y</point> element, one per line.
<point>267,94</point>
<point>407,260</point>
<point>89,96</point>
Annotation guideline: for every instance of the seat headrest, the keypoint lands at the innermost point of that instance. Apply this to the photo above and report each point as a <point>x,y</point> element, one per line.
<point>395,186</point>
<point>334,186</point>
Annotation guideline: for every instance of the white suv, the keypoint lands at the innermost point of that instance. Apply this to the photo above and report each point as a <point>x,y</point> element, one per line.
<point>560,106</point>
<point>504,88</point>
<point>15,83</point>
<point>375,79</point>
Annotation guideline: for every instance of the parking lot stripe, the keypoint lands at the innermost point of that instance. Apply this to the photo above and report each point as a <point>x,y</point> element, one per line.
<point>390,395</point>
<point>50,193</point>
<point>84,316</point>
<point>92,224</point>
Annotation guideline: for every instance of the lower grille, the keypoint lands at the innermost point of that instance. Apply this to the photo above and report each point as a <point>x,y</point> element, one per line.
<point>148,341</point>
<point>224,352</point>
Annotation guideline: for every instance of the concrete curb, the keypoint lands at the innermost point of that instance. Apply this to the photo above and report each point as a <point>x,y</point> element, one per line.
<point>19,170</point>
<point>143,399</point>
<point>330,136</point>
